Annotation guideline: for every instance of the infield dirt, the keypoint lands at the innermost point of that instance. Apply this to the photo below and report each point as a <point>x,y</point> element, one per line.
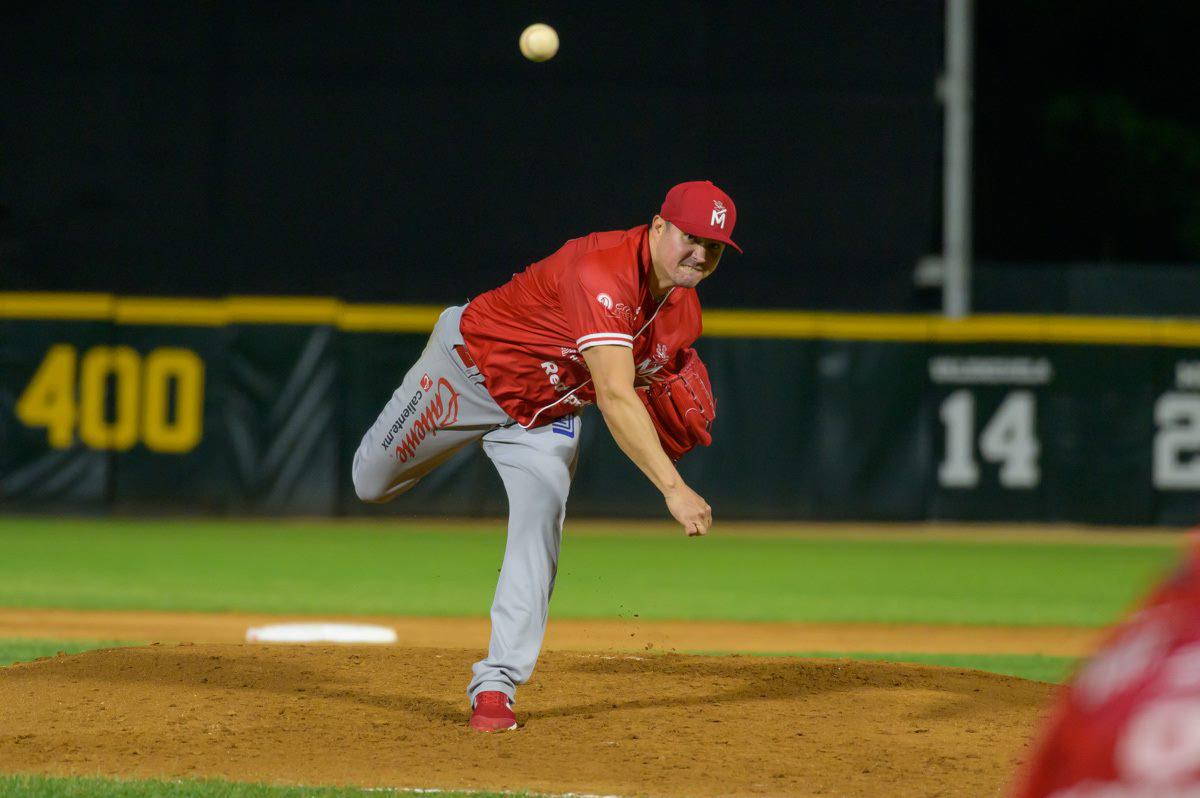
<point>613,723</point>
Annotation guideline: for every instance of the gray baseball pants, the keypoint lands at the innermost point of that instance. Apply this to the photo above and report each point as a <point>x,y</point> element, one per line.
<point>440,407</point>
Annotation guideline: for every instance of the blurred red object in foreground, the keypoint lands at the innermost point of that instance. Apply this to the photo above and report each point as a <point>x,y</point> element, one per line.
<point>1128,725</point>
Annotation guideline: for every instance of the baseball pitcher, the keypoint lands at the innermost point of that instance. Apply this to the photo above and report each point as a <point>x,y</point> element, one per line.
<point>607,319</point>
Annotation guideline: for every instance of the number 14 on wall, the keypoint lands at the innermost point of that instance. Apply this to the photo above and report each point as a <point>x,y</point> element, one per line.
<point>1009,439</point>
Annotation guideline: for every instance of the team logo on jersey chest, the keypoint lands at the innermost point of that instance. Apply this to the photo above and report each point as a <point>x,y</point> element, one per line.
<point>648,371</point>
<point>605,300</point>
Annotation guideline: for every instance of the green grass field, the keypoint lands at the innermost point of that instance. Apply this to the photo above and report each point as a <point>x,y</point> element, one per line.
<point>409,568</point>
<point>415,568</point>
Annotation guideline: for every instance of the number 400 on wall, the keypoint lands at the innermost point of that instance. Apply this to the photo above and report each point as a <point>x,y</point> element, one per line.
<point>141,409</point>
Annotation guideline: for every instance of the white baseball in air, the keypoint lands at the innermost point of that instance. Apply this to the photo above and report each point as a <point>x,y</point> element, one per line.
<point>539,42</point>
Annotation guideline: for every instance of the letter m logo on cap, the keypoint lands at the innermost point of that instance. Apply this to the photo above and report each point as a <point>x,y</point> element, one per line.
<point>718,214</point>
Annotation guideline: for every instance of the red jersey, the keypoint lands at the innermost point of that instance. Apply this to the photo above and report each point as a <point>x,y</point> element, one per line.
<point>527,335</point>
<point>1129,724</point>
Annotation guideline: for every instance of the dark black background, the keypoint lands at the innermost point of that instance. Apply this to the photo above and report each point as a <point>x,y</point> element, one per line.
<point>381,152</point>
<point>1088,132</point>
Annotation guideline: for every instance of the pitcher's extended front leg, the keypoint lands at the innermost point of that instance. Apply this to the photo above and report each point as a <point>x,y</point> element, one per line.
<point>537,466</point>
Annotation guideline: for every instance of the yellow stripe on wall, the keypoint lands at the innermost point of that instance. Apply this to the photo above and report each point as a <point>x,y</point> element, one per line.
<point>365,317</point>
<point>389,318</point>
<point>192,312</point>
<point>283,310</point>
<point>49,306</point>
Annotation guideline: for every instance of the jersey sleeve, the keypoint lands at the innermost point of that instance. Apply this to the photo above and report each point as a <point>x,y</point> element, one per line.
<point>599,310</point>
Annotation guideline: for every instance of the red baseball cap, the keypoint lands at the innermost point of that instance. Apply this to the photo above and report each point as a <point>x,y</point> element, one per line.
<point>701,209</point>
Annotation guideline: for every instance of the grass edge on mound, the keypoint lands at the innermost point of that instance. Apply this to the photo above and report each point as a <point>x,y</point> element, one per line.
<point>1035,667</point>
<point>30,649</point>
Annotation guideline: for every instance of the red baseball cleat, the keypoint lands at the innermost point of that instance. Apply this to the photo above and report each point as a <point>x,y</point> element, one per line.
<point>493,712</point>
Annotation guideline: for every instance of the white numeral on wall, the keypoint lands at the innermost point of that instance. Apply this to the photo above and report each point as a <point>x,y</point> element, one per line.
<point>959,470</point>
<point>1177,443</point>
<point>1009,439</point>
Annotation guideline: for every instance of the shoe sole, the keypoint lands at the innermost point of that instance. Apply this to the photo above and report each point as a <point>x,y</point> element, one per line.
<point>493,731</point>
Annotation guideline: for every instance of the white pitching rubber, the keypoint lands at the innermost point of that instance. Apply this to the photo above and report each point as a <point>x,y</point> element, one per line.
<point>321,633</point>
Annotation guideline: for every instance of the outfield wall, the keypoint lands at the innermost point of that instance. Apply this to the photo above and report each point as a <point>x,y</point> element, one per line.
<point>255,405</point>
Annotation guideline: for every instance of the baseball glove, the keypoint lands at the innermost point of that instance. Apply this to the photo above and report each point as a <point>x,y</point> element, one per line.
<point>682,406</point>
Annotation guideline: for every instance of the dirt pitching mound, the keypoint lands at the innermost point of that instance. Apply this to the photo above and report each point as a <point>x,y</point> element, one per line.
<point>661,725</point>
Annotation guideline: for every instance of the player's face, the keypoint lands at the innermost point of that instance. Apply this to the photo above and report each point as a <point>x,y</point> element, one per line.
<point>681,258</point>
